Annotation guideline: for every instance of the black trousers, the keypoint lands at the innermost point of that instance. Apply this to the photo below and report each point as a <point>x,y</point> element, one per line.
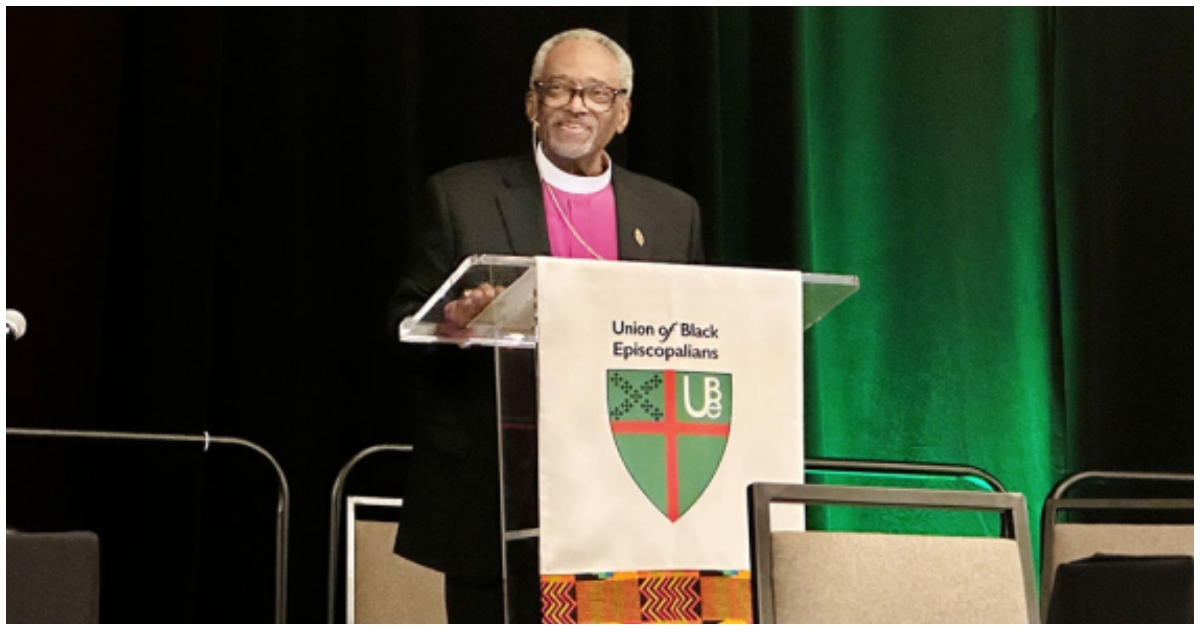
<point>474,601</point>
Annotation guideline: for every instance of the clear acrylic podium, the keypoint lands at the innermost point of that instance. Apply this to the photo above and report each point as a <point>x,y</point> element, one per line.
<point>509,326</point>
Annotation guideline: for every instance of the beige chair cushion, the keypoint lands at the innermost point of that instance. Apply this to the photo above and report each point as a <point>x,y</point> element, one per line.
<point>836,577</point>
<point>388,588</point>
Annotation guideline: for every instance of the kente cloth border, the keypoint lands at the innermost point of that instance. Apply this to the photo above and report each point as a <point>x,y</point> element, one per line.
<point>647,597</point>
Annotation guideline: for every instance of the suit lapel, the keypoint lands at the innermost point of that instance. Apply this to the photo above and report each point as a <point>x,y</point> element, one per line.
<point>634,218</point>
<point>521,206</point>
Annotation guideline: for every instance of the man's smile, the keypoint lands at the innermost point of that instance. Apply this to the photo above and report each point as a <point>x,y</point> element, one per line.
<point>575,127</point>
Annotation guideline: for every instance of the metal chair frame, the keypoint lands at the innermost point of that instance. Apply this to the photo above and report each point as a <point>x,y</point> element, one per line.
<point>282,509</point>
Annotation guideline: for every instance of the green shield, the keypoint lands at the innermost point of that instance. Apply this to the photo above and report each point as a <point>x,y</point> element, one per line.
<point>670,429</point>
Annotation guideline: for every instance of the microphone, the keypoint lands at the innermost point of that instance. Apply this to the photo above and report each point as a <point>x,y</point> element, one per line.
<point>14,324</point>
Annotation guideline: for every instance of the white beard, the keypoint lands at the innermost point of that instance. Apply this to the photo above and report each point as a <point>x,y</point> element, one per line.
<point>570,150</point>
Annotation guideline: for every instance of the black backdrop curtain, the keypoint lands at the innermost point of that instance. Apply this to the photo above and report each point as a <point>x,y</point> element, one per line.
<point>207,208</point>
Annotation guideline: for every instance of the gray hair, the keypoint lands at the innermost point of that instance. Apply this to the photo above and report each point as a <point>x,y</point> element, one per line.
<point>624,63</point>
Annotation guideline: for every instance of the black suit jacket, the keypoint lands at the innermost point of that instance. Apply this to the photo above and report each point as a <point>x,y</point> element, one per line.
<point>450,520</point>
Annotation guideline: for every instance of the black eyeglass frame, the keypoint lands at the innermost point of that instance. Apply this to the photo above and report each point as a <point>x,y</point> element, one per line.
<point>582,92</point>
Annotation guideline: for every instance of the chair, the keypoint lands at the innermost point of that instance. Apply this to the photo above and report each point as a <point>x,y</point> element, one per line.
<point>840,577</point>
<point>52,577</point>
<point>382,587</point>
<point>1117,588</point>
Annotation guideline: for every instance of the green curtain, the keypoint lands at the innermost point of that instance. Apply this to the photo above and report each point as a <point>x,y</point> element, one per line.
<point>924,174</point>
<point>934,153</point>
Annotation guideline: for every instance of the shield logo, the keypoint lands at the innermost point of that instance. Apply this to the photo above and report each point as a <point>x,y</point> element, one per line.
<point>670,429</point>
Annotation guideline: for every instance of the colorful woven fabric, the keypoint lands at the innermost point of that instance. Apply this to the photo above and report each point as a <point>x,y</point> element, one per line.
<point>647,597</point>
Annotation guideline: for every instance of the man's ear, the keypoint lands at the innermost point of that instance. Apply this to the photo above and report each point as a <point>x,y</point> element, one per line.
<point>623,115</point>
<point>531,109</point>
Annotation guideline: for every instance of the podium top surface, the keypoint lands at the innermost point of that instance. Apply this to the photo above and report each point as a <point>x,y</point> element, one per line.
<point>510,321</point>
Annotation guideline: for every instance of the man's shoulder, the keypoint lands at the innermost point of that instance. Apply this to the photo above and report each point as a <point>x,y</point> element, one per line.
<point>646,186</point>
<point>482,171</point>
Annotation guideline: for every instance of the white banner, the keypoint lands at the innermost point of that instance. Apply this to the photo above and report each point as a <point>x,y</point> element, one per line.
<point>664,391</point>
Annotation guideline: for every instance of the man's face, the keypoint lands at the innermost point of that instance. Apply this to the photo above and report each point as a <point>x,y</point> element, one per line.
<point>574,135</point>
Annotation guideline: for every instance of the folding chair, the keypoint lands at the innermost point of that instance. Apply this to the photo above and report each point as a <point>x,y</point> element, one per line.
<point>380,586</point>
<point>840,577</point>
<point>1069,543</point>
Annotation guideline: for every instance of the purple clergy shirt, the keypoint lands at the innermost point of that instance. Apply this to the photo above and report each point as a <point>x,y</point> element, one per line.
<point>594,216</point>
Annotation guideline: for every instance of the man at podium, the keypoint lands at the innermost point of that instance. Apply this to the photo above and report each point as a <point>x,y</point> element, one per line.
<point>568,199</point>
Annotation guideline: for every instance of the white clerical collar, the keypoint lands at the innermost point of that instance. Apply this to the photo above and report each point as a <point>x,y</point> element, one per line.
<point>566,182</point>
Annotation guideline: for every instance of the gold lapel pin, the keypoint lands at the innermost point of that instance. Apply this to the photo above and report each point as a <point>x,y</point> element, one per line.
<point>639,237</point>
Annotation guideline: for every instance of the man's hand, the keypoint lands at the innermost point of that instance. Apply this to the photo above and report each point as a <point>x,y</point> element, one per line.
<point>460,312</point>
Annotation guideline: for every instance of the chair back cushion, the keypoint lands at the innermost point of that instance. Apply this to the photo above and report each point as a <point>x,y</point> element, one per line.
<point>1073,541</point>
<point>838,577</point>
<point>53,577</point>
<point>389,588</point>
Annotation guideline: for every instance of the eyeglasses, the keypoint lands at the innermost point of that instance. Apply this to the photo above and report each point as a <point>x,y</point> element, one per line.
<point>598,98</point>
